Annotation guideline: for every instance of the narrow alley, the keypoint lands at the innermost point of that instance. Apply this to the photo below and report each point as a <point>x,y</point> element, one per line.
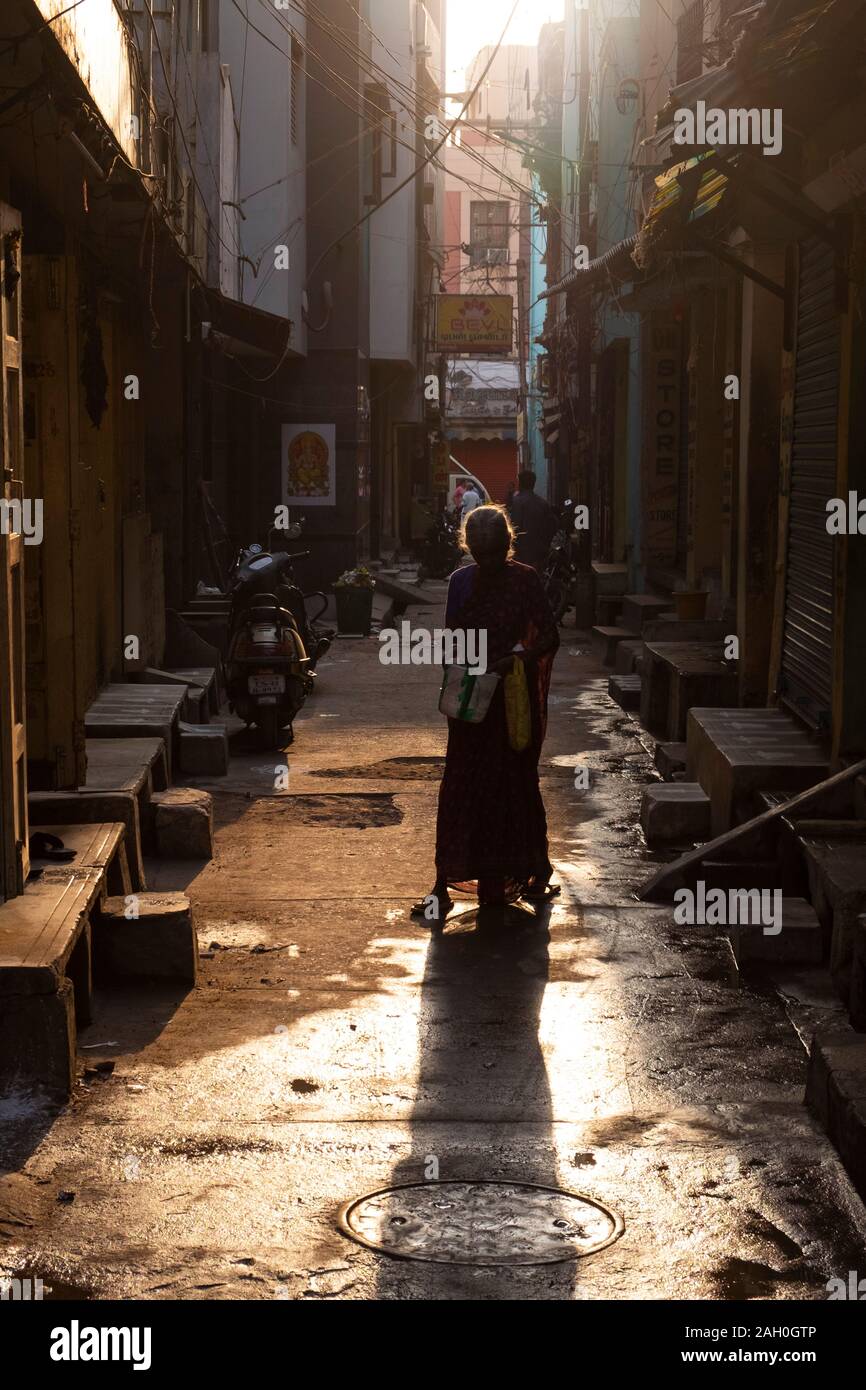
<point>432,675</point>
<point>333,1047</point>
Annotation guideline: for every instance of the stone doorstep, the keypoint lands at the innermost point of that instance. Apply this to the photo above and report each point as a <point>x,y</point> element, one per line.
<point>799,941</point>
<point>182,823</point>
<point>205,678</point>
<point>670,758</point>
<point>683,675</point>
<point>638,609</point>
<point>125,765</point>
<point>607,609</point>
<point>857,1007</point>
<point>605,641</point>
<point>625,691</point>
<point>609,578</point>
<point>92,808</point>
<point>736,753</point>
<point>160,943</point>
<point>45,978</point>
<point>837,886</point>
<point>204,749</point>
<point>627,656</point>
<point>836,1095</point>
<point>97,846</point>
<point>195,703</point>
<point>672,629</point>
<point>742,873</point>
<point>675,813</point>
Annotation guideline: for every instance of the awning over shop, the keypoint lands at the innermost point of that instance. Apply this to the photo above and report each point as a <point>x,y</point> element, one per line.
<point>615,264</point>
<point>248,331</point>
<point>684,195</point>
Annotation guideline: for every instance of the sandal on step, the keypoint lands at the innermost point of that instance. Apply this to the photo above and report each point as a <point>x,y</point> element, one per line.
<point>42,845</point>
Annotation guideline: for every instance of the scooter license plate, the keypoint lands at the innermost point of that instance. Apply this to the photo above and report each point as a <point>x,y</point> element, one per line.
<point>267,685</point>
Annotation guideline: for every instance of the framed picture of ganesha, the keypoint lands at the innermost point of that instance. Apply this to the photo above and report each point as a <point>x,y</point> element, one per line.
<point>309,465</point>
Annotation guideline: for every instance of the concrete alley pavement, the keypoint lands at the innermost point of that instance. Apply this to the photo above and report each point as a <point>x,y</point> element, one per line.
<point>332,1047</point>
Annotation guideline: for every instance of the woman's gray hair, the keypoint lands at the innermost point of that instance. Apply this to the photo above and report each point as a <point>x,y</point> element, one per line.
<point>488,531</point>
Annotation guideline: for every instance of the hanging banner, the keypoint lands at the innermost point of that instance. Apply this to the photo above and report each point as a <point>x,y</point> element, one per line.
<point>474,322</point>
<point>309,465</point>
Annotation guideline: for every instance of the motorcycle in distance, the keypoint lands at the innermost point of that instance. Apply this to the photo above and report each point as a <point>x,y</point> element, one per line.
<point>439,553</point>
<point>273,645</point>
<point>560,574</point>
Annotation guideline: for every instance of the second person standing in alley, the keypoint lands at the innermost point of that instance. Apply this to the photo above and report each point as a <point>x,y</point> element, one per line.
<point>534,521</point>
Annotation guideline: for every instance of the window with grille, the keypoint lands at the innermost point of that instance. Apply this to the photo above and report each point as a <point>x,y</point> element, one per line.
<point>690,39</point>
<point>489,233</point>
<point>295,93</point>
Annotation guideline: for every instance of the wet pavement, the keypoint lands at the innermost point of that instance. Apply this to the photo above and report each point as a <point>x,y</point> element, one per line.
<point>332,1048</point>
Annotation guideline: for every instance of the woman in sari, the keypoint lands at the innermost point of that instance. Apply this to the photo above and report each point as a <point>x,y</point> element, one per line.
<point>491,830</point>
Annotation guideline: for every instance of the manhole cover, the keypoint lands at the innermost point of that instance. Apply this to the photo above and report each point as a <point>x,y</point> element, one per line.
<point>481,1223</point>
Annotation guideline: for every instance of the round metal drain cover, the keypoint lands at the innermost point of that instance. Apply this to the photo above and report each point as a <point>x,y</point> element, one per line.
<point>481,1223</point>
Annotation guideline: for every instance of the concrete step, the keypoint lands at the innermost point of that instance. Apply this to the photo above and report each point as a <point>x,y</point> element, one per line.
<point>735,753</point>
<point>798,940</point>
<point>206,678</point>
<point>670,758</point>
<point>195,705</point>
<point>605,641</point>
<point>625,691</point>
<point>795,833</point>
<point>627,656</point>
<point>669,628</point>
<point>45,977</point>
<point>204,750</point>
<point>146,936</point>
<point>837,887</point>
<point>675,813</point>
<point>638,609</point>
<point>88,808</point>
<point>741,873</point>
<point>836,1095</point>
<point>609,578</point>
<point>182,823</point>
<point>95,845</point>
<point>680,676</point>
<point>137,710</point>
<point>607,609</point>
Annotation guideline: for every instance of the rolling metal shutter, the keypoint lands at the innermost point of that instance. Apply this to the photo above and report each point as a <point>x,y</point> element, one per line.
<point>807,641</point>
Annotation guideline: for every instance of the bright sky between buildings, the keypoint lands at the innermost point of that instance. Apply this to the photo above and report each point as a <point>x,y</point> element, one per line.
<point>473,23</point>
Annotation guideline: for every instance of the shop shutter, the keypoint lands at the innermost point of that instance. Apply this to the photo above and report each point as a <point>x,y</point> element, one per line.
<point>807,642</point>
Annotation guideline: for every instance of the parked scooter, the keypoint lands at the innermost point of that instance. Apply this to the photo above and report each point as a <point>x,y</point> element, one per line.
<point>273,645</point>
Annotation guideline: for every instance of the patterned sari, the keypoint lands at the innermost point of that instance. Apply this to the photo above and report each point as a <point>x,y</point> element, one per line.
<point>491,830</point>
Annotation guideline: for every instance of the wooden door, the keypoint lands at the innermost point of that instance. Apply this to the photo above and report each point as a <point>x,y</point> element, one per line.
<point>14,864</point>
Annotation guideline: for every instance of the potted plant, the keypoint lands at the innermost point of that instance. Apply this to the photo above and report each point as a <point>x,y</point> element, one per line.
<point>354,594</point>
